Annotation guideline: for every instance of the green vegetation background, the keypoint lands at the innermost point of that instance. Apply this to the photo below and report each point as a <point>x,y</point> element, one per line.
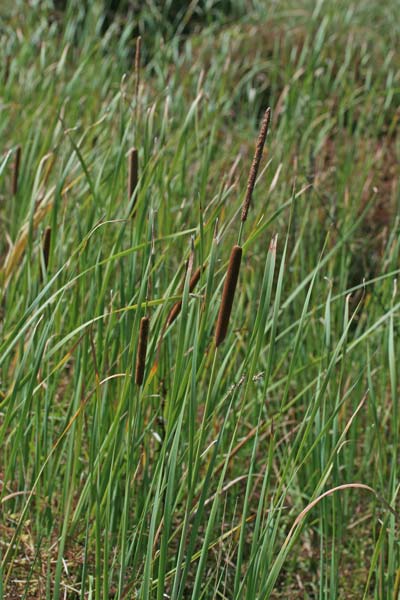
<point>268,468</point>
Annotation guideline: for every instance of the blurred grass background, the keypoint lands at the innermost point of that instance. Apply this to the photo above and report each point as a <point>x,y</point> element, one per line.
<point>108,490</point>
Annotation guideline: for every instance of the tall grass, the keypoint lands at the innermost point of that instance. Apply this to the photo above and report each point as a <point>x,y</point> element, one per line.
<point>153,461</point>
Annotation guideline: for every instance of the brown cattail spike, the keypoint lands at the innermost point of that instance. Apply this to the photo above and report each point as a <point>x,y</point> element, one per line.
<point>142,349</point>
<point>176,309</point>
<point>133,168</point>
<point>228,294</point>
<point>16,170</point>
<point>46,240</point>
<point>46,246</point>
<point>256,163</point>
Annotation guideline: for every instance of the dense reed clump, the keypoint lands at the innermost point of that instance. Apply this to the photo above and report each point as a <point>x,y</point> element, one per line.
<point>141,351</point>
<point>226,445</point>
<point>228,294</point>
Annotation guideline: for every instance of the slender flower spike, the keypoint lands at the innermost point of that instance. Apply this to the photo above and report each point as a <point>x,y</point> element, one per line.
<point>142,349</point>
<point>228,294</point>
<point>256,163</point>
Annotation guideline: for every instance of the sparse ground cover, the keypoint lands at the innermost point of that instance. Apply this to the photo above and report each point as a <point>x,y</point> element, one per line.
<point>267,467</point>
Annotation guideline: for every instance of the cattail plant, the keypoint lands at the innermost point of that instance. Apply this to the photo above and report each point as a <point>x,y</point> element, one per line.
<point>133,168</point>
<point>175,311</point>
<point>236,253</point>
<point>46,246</point>
<point>17,163</point>
<point>142,349</point>
<point>256,163</point>
<point>46,241</point>
<point>177,307</point>
<point>228,294</point>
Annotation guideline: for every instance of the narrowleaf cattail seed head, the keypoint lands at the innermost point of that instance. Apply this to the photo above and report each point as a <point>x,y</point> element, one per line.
<point>46,240</point>
<point>17,163</point>
<point>46,245</point>
<point>142,349</point>
<point>176,309</point>
<point>256,163</point>
<point>228,295</point>
<point>133,167</point>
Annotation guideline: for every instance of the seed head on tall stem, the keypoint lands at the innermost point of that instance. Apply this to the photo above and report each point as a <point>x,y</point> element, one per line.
<point>17,163</point>
<point>256,163</point>
<point>142,350</point>
<point>228,294</point>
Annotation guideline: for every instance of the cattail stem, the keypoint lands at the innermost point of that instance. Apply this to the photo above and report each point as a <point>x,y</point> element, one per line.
<point>133,169</point>
<point>137,70</point>
<point>177,307</point>
<point>228,294</point>
<point>17,163</point>
<point>239,241</point>
<point>142,349</point>
<point>256,163</point>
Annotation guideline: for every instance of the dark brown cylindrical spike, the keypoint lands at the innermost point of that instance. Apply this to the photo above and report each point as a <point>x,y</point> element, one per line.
<point>46,241</point>
<point>17,163</point>
<point>46,245</point>
<point>133,168</point>
<point>228,294</point>
<point>256,163</point>
<point>142,349</point>
<point>176,309</point>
